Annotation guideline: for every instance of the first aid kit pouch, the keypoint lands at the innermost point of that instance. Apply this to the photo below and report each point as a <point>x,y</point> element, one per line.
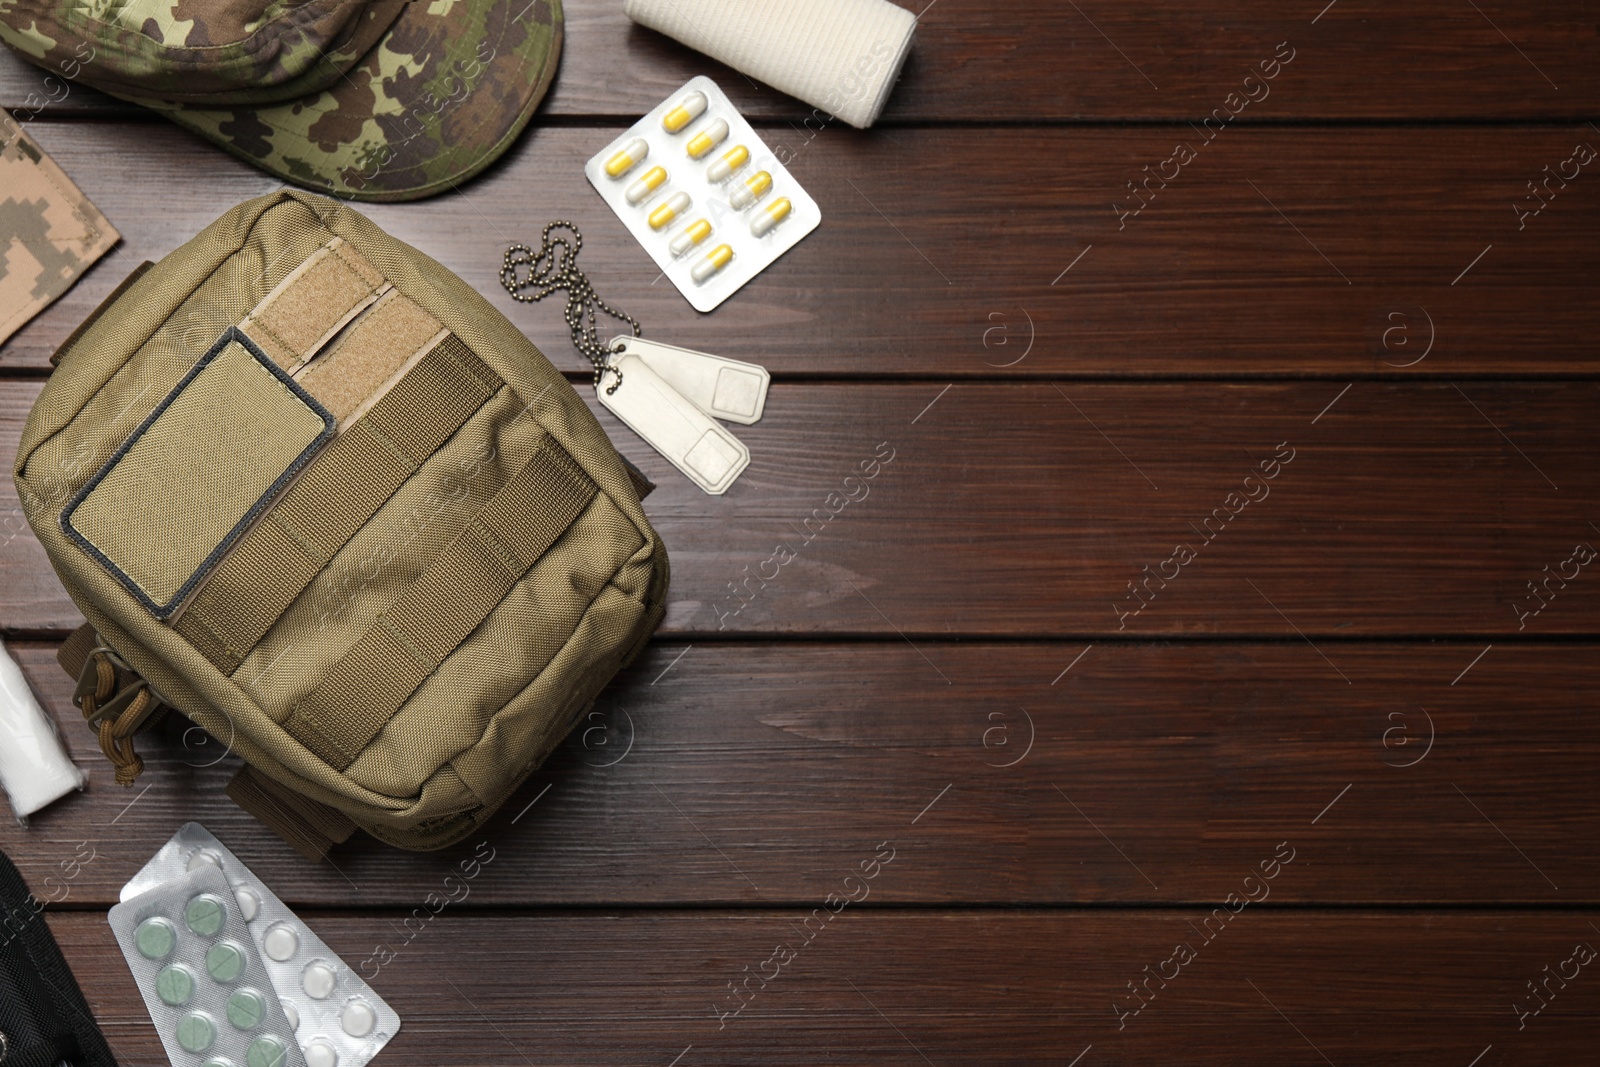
<point>201,976</point>
<point>314,492</point>
<point>44,1020</point>
<point>334,1015</point>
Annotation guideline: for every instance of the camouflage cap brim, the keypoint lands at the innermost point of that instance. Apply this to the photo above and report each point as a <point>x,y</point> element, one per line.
<point>447,89</point>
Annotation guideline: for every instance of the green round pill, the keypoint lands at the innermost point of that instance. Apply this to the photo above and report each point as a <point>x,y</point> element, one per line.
<point>225,961</point>
<point>175,985</point>
<point>205,915</point>
<point>266,1052</point>
<point>156,938</point>
<point>246,1009</point>
<point>196,1032</point>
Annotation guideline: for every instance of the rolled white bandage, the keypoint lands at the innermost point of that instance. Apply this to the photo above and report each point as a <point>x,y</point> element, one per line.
<point>34,769</point>
<point>841,56</point>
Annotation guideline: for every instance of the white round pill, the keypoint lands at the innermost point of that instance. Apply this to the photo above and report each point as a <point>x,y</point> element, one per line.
<point>200,859</point>
<point>281,942</point>
<point>358,1018</point>
<point>317,981</point>
<point>321,1054</point>
<point>292,1015</point>
<point>249,903</point>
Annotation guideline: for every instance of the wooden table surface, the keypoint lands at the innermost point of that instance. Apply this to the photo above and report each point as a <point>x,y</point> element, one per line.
<point>1338,750</point>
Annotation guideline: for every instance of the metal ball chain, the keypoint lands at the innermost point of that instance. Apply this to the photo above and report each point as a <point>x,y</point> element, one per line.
<point>553,268</point>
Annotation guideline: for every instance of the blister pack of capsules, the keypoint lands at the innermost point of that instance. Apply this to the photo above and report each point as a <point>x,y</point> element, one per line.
<point>335,1017</point>
<point>703,193</point>
<point>201,977</point>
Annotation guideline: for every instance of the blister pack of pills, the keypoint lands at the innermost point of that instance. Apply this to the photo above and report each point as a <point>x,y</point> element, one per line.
<point>703,193</point>
<point>201,977</point>
<point>335,1017</point>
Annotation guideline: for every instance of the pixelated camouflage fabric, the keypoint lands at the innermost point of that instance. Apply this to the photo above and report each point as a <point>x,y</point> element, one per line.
<point>444,89</point>
<point>49,231</point>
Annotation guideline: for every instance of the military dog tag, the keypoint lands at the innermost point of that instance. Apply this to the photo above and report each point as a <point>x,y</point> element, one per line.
<point>691,440</point>
<point>725,388</point>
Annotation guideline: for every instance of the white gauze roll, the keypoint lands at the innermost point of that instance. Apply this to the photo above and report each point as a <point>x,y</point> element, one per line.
<point>841,56</point>
<point>34,769</point>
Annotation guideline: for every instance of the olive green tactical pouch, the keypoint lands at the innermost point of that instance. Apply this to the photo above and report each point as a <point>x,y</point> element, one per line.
<point>314,492</point>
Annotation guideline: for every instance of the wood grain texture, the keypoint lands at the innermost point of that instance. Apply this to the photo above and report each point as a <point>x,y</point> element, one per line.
<point>1005,253</point>
<point>1383,666</point>
<point>1013,988</point>
<point>1042,61</point>
<point>1026,508</point>
<point>757,774</point>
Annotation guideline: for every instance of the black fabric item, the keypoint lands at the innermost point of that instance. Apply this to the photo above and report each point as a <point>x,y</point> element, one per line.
<point>43,1016</point>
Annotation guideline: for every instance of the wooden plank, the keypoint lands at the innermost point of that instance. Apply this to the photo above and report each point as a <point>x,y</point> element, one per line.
<point>959,254</point>
<point>1042,773</point>
<point>989,987</point>
<point>1042,61</point>
<point>1030,509</point>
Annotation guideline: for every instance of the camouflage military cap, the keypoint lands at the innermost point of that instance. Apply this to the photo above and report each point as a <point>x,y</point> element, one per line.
<point>368,99</point>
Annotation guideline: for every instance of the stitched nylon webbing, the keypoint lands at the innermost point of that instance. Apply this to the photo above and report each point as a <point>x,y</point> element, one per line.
<point>308,307</point>
<point>378,345</point>
<point>74,651</point>
<point>446,603</point>
<point>311,827</point>
<point>277,558</point>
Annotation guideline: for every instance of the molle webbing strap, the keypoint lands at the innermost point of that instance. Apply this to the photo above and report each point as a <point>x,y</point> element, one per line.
<point>313,304</point>
<point>381,344</point>
<point>309,826</point>
<point>448,601</point>
<point>276,559</point>
<point>74,651</point>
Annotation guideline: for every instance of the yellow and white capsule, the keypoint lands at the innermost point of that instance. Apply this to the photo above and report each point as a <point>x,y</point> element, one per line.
<point>770,216</point>
<point>691,235</point>
<point>649,182</point>
<point>728,164</point>
<point>707,139</point>
<point>686,111</point>
<point>675,205</point>
<point>626,158</point>
<point>715,260</point>
<point>750,190</point>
